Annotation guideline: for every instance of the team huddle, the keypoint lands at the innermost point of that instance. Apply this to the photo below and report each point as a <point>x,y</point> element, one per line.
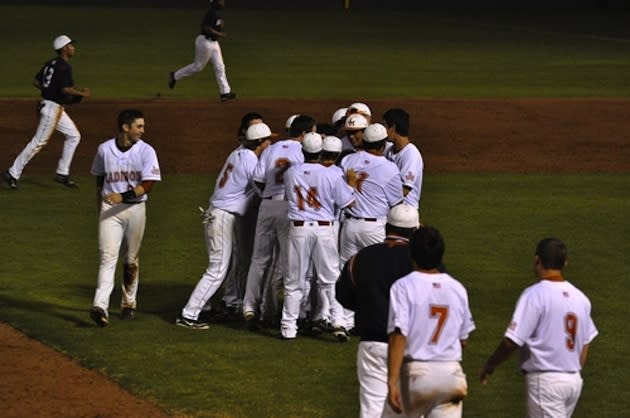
<point>317,231</point>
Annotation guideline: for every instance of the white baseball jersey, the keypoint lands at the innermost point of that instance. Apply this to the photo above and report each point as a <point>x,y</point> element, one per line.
<point>273,163</point>
<point>378,184</point>
<point>124,171</point>
<point>234,189</point>
<point>552,322</point>
<point>314,191</point>
<point>409,162</point>
<point>432,311</point>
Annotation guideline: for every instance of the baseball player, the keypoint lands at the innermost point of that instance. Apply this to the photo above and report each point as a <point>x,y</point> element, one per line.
<point>404,154</point>
<point>352,141</point>
<point>379,187</point>
<point>207,48</point>
<point>429,323</point>
<point>272,226</point>
<point>126,169</point>
<point>552,328</point>
<point>233,193</point>
<point>364,288</point>
<point>55,82</point>
<point>313,192</point>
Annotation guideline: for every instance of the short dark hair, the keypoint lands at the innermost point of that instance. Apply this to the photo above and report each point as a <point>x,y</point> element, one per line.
<point>374,145</point>
<point>127,116</point>
<point>552,253</point>
<point>245,121</point>
<point>301,124</point>
<point>326,129</point>
<point>399,119</point>
<point>426,247</point>
<point>329,155</point>
<point>311,156</point>
<point>403,232</point>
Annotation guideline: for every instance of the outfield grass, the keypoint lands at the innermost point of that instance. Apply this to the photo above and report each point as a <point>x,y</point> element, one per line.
<point>491,225</point>
<point>329,53</point>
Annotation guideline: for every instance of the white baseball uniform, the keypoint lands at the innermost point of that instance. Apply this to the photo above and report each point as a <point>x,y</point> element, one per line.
<point>313,192</point>
<point>272,226</point>
<point>409,162</point>
<point>121,226</point>
<point>233,193</point>
<point>432,312</point>
<point>379,187</point>
<point>552,323</point>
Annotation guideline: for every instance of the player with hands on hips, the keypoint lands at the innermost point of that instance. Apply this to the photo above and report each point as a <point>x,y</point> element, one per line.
<point>126,169</point>
<point>429,323</point>
<point>56,84</point>
<point>233,194</point>
<point>207,48</point>
<point>552,328</point>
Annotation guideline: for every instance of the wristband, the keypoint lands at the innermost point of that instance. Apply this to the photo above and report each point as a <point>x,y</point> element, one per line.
<point>128,195</point>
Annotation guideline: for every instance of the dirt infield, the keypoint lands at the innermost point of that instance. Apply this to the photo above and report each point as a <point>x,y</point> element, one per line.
<point>454,136</point>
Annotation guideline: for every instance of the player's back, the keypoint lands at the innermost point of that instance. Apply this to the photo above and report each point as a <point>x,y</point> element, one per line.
<point>233,188</point>
<point>274,162</point>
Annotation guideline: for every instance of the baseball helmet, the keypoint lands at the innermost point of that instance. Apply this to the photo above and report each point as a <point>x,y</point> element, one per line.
<point>355,121</point>
<point>257,131</point>
<point>290,120</point>
<point>403,216</point>
<point>312,143</point>
<point>374,133</point>
<point>332,144</point>
<point>339,114</point>
<point>361,108</point>
<point>61,41</point>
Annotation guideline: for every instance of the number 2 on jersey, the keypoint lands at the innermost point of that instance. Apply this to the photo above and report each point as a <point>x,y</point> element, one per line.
<point>570,327</point>
<point>441,312</point>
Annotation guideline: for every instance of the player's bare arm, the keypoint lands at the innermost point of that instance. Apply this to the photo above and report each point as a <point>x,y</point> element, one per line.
<point>395,354</point>
<point>214,32</point>
<point>584,355</point>
<point>84,92</point>
<point>143,188</point>
<point>503,352</point>
<point>100,180</point>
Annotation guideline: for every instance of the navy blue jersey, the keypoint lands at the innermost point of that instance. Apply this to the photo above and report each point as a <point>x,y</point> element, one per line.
<point>214,20</point>
<point>54,76</point>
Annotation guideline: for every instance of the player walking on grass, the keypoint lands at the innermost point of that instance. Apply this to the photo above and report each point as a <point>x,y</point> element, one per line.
<point>126,169</point>
<point>233,194</point>
<point>313,191</point>
<point>429,323</point>
<point>56,84</point>
<point>207,48</point>
<point>552,328</point>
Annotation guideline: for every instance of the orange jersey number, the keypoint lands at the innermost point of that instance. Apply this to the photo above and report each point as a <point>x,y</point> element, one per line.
<point>282,164</point>
<point>311,198</point>
<point>570,327</point>
<point>441,312</point>
<point>226,174</point>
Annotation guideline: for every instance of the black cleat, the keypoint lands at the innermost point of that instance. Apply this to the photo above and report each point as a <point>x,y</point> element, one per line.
<point>341,334</point>
<point>99,316</point>
<point>66,181</point>
<point>191,323</point>
<point>171,81</point>
<point>11,181</point>
<point>228,96</point>
<point>128,314</point>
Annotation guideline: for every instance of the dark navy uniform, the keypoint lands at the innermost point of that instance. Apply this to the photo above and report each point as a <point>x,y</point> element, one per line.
<point>214,20</point>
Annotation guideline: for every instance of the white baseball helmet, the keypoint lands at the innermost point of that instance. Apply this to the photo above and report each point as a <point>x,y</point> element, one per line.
<point>332,144</point>
<point>290,120</point>
<point>355,122</point>
<point>361,108</point>
<point>374,133</point>
<point>339,113</point>
<point>403,216</point>
<point>61,41</point>
<point>257,132</point>
<point>312,143</point>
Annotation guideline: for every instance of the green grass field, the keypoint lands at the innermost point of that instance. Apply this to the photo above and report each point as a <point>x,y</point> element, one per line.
<point>491,223</point>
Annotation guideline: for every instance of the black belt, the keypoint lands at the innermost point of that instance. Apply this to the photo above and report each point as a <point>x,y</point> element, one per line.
<point>365,219</point>
<point>320,223</point>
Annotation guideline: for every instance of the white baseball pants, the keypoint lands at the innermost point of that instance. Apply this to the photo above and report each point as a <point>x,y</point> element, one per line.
<point>219,230</point>
<point>52,116</point>
<point>308,243</point>
<point>272,228</point>
<point>120,231</point>
<point>435,389</point>
<point>372,374</point>
<point>207,50</point>
<point>552,394</point>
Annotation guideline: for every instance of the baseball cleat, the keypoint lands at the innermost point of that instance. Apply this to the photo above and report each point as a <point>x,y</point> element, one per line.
<point>128,314</point>
<point>11,181</point>
<point>228,96</point>
<point>171,80</point>
<point>191,323</point>
<point>99,316</point>
<point>341,334</point>
<point>252,321</point>
<point>66,181</point>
